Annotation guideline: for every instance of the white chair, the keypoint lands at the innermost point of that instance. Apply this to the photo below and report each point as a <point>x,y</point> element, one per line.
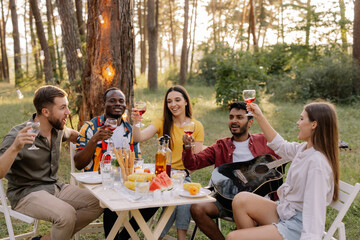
<point>347,194</point>
<point>8,213</point>
<point>93,227</point>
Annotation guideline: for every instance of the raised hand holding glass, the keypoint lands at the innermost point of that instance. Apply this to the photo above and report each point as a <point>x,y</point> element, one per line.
<point>189,129</point>
<point>249,97</point>
<point>140,108</point>
<point>35,128</point>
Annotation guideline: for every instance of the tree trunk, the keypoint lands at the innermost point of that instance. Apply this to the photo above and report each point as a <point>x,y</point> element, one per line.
<point>42,39</point>
<point>342,23</point>
<point>253,24</point>
<point>16,37</point>
<point>356,42</point>
<point>110,51</point>
<point>33,45</point>
<point>142,29</point>
<point>49,10</point>
<point>59,55</point>
<point>308,22</point>
<point>4,58</point>
<point>127,50</point>
<point>173,33</point>
<point>193,41</point>
<point>79,18</point>
<point>26,42</point>
<point>71,40</point>
<point>184,45</point>
<point>152,24</point>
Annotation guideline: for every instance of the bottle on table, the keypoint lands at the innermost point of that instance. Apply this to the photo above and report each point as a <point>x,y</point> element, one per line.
<point>160,157</point>
<point>168,155</point>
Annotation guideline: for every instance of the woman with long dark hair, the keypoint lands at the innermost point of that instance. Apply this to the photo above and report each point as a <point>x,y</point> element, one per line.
<point>177,110</point>
<point>312,181</point>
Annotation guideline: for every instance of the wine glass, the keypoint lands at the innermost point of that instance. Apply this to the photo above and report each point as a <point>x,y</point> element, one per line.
<point>112,124</point>
<point>249,97</point>
<point>35,128</point>
<point>140,107</point>
<point>189,129</point>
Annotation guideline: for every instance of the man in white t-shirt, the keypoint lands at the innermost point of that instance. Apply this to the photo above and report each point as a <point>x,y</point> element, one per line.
<point>241,147</point>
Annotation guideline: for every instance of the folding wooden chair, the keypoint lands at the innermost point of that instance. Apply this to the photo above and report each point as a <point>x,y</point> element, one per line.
<point>93,227</point>
<point>8,213</point>
<point>347,194</point>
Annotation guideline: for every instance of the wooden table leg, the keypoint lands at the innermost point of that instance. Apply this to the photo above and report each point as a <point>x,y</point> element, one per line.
<point>119,221</point>
<point>163,221</point>
<point>160,226</point>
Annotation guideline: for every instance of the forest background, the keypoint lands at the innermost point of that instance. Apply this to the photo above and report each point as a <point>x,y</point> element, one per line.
<point>290,51</point>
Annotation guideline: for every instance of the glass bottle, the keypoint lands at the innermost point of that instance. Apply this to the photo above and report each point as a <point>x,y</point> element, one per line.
<point>168,155</point>
<point>160,157</point>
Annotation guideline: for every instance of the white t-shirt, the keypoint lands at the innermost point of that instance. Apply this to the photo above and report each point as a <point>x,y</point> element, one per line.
<point>118,137</point>
<point>242,152</point>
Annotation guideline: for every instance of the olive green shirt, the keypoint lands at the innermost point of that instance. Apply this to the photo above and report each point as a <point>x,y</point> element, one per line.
<point>33,170</point>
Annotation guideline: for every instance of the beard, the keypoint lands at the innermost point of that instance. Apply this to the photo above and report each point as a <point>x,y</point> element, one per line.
<point>242,131</point>
<point>56,123</point>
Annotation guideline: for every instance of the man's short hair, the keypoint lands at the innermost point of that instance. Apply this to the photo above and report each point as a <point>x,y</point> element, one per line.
<point>45,95</point>
<point>109,90</point>
<point>239,105</point>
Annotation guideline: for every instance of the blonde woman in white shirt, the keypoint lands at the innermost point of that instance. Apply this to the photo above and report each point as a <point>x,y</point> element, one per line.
<point>311,184</point>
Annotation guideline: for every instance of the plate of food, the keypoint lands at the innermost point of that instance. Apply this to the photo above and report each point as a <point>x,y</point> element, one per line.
<point>90,179</point>
<point>201,193</point>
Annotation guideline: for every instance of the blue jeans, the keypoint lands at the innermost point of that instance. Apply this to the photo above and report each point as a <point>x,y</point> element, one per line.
<point>181,215</point>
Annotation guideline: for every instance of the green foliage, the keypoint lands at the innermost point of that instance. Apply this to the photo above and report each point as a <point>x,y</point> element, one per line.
<point>289,72</point>
<point>235,73</point>
<point>330,78</point>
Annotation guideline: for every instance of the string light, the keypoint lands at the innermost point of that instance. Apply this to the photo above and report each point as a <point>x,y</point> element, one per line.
<point>42,56</point>
<point>20,95</point>
<point>101,19</point>
<point>79,54</point>
<point>108,70</point>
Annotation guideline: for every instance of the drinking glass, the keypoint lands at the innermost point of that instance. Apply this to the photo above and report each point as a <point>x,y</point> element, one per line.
<point>141,188</point>
<point>112,124</point>
<point>249,97</point>
<point>140,107</point>
<point>189,129</point>
<point>35,128</point>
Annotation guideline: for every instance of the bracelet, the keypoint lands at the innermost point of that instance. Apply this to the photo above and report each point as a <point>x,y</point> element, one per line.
<point>187,146</point>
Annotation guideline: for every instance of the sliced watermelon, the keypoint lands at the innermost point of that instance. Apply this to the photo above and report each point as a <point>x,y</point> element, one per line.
<point>154,185</point>
<point>161,181</point>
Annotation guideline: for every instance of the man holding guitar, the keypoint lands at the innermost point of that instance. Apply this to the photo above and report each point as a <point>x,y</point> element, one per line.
<point>241,147</point>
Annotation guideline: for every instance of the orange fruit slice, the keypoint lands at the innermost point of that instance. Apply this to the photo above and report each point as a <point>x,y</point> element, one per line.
<point>147,170</point>
<point>193,190</point>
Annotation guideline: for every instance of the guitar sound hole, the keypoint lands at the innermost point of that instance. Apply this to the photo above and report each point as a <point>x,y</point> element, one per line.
<point>261,169</point>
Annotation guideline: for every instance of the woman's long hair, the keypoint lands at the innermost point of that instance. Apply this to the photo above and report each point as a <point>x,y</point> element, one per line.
<point>326,136</point>
<point>167,115</point>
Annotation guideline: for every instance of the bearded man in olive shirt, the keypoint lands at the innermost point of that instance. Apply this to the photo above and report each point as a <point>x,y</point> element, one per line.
<point>33,187</point>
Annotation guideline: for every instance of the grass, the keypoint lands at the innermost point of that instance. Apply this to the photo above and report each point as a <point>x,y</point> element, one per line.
<point>282,116</point>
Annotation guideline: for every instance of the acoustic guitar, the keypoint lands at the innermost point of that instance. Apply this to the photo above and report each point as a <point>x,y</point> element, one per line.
<point>258,175</point>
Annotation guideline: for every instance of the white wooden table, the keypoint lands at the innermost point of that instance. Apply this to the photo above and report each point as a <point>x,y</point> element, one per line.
<point>122,206</point>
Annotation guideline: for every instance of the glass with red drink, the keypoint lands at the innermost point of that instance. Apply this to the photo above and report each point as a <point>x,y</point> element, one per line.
<point>189,129</point>
<point>140,108</point>
<point>249,97</point>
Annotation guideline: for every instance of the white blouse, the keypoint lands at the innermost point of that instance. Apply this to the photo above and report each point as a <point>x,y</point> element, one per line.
<point>308,188</point>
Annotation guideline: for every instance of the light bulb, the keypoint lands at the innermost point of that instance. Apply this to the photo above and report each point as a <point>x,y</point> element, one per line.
<point>79,54</point>
<point>20,96</point>
<point>42,56</point>
<point>108,70</point>
<point>101,19</point>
